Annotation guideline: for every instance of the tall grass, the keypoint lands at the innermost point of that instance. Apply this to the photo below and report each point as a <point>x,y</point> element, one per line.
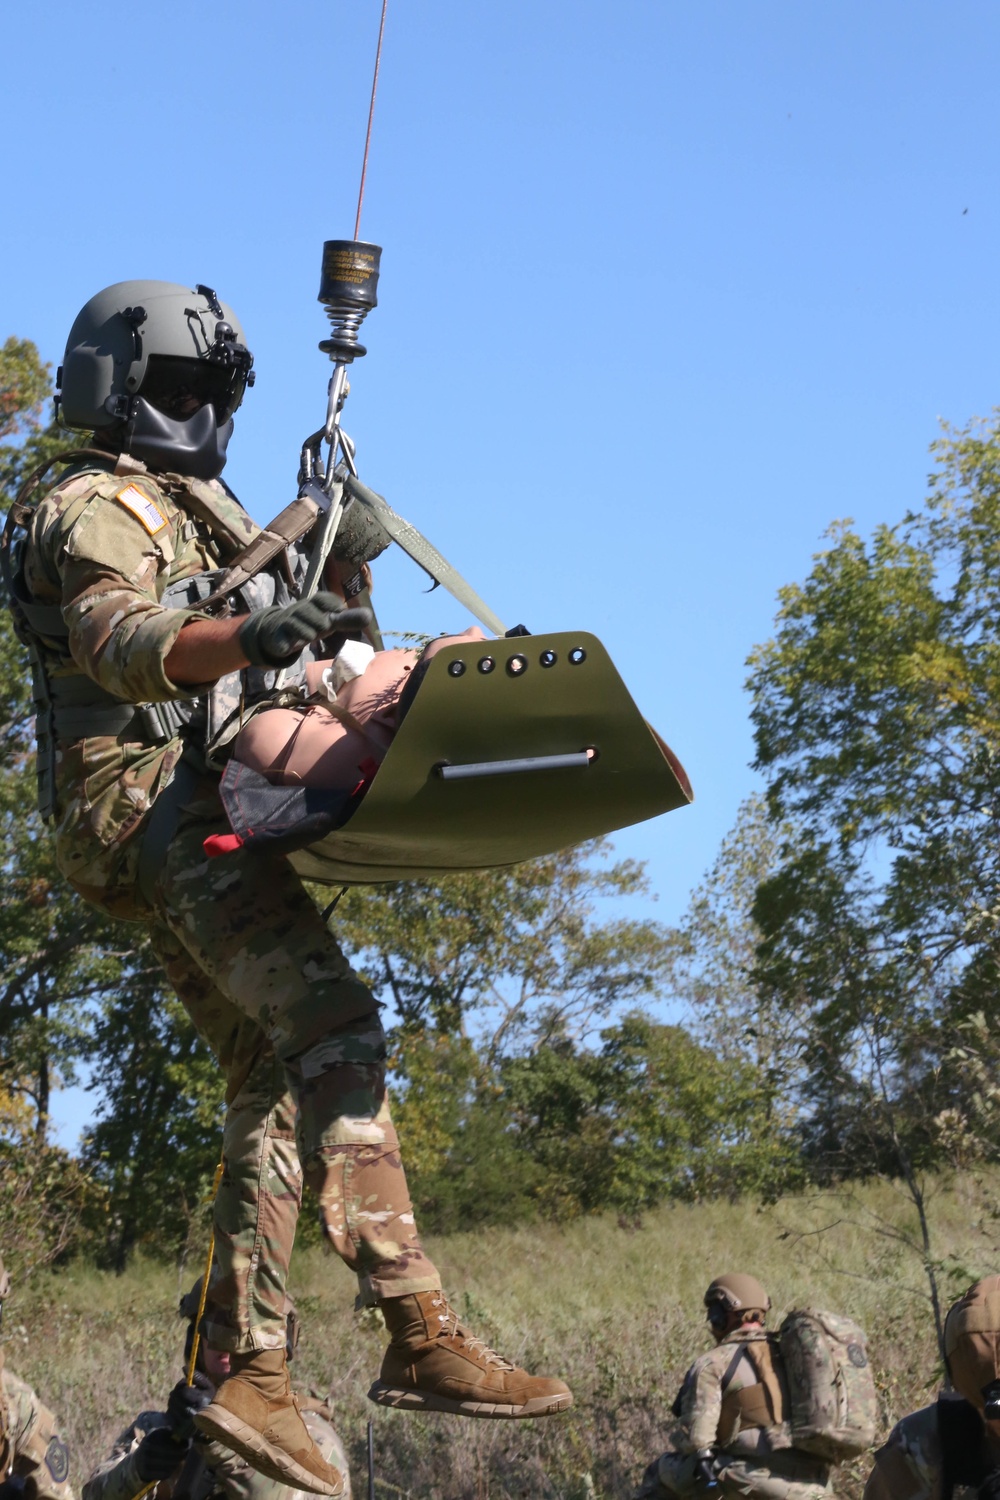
<point>617,1311</point>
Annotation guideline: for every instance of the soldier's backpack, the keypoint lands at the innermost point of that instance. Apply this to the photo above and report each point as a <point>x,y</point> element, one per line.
<point>832,1403</point>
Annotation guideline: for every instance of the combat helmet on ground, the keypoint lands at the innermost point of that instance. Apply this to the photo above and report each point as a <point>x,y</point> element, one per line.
<point>972,1345</point>
<point>157,369</point>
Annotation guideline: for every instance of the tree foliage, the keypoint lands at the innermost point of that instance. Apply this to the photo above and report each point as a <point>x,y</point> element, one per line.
<point>508,946</point>
<point>78,991</point>
<point>876,716</point>
<point>877,723</point>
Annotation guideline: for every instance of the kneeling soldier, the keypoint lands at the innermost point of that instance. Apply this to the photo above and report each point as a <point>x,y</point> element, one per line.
<point>952,1447</point>
<point>732,1409</point>
<point>34,1459</point>
<point>161,1448</point>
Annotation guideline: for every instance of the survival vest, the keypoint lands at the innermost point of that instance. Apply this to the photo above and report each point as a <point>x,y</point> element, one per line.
<point>833,1407</point>
<point>73,706</point>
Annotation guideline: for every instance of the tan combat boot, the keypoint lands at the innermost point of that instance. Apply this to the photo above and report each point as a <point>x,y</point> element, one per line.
<point>434,1364</point>
<point>255,1414</point>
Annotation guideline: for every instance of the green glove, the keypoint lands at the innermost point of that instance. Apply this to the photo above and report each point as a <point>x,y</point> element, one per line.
<point>272,637</point>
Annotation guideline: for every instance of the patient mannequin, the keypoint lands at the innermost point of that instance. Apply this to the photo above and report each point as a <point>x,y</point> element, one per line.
<point>326,742</point>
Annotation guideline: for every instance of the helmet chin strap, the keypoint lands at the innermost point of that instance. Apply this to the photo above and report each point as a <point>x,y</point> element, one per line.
<point>195,445</point>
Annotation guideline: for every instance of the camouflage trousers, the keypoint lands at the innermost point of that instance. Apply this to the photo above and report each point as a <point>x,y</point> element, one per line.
<point>38,1456</point>
<point>300,1041</point>
<point>785,1476</point>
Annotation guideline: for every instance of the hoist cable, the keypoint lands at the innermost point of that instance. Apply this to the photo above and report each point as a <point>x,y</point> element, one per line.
<point>371,112</point>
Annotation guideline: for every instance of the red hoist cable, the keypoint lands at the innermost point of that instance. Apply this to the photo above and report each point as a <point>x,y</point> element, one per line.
<point>371,111</point>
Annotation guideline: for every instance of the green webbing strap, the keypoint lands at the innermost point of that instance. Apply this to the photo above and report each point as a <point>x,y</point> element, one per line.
<point>96,721</point>
<point>76,690</point>
<point>43,619</point>
<point>45,755</point>
<point>415,545</point>
<point>82,708</point>
<point>162,825</point>
<point>294,521</point>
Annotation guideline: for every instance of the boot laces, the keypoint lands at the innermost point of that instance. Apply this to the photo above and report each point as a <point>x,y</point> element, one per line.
<point>451,1327</point>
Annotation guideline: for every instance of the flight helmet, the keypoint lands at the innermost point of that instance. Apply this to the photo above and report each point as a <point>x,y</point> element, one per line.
<point>159,369</point>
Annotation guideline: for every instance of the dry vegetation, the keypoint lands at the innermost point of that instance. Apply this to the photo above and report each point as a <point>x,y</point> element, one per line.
<point>615,1309</point>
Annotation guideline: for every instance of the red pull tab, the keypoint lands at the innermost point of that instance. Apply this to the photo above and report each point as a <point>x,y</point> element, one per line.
<point>367,768</point>
<point>221,843</point>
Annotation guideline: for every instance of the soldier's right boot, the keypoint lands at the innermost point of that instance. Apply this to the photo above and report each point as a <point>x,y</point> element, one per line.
<point>434,1364</point>
<point>256,1415</point>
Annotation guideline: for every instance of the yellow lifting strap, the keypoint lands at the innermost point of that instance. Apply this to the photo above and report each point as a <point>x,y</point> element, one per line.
<point>512,749</point>
<point>192,1363</point>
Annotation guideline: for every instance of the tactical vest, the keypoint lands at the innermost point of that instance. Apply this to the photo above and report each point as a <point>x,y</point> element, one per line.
<point>73,706</point>
<point>764,1404</point>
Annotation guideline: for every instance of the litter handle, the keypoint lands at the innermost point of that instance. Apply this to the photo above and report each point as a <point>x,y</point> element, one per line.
<point>515,767</point>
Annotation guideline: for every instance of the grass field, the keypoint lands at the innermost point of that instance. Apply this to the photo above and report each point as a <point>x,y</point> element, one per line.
<point>614,1310</point>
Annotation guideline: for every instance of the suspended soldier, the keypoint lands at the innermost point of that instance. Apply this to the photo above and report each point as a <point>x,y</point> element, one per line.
<point>732,1410</point>
<point>952,1447</point>
<point>162,1447</point>
<point>130,678</point>
<point>34,1459</point>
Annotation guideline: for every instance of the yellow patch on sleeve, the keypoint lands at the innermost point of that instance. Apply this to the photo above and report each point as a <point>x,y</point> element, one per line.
<point>142,508</point>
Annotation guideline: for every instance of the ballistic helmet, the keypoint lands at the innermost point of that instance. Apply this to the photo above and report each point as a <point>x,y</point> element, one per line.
<point>972,1345</point>
<point>164,366</point>
<point>738,1293</point>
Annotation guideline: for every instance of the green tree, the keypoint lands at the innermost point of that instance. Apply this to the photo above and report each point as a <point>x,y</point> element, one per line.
<point>876,718</point>
<point>159,1131</point>
<point>650,1114</point>
<point>503,948</point>
<point>712,959</point>
<point>77,989</point>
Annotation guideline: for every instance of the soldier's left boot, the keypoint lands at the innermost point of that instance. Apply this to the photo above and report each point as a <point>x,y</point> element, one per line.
<point>434,1364</point>
<point>256,1415</point>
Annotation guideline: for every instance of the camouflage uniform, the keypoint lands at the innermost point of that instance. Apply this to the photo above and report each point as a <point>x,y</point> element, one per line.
<point>210,1469</point>
<point>749,1460</point>
<point>30,1446</point>
<point>910,1464</point>
<point>296,1031</point>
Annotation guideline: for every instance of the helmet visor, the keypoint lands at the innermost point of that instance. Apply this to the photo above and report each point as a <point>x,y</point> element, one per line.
<point>179,387</point>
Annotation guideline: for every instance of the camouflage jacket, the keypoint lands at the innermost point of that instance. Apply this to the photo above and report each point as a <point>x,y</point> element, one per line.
<point>701,1400</point>
<point>212,1469</point>
<point>910,1464</point>
<point>35,1453</point>
<point>104,549</point>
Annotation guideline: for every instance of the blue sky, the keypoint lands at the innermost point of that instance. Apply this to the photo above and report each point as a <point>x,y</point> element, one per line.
<point>665,288</point>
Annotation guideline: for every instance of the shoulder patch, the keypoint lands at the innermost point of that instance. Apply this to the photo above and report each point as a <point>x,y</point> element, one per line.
<point>57,1460</point>
<point>142,508</point>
